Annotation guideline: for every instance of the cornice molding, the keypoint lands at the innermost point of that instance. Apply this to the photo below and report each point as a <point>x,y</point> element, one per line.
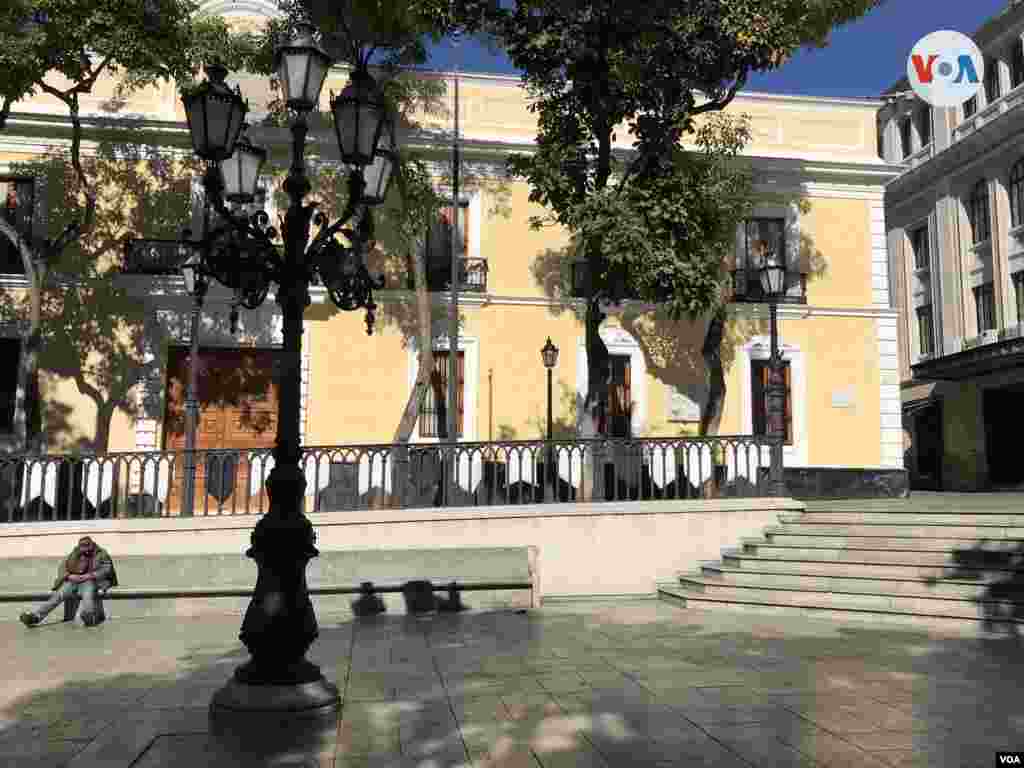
<point>24,129</point>
<point>172,289</point>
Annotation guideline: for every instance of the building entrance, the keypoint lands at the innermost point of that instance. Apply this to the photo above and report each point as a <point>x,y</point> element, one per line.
<point>1003,435</point>
<point>927,474</point>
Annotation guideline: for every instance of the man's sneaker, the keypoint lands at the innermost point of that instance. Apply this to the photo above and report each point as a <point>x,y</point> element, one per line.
<point>29,619</point>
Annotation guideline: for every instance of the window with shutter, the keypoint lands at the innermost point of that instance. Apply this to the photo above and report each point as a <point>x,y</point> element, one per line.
<point>1018,294</point>
<point>978,212</point>
<point>19,201</point>
<point>905,143</point>
<point>1017,64</point>
<point>10,354</point>
<point>616,422</point>
<point>1017,194</point>
<point>985,307</point>
<point>919,244</point>
<point>433,417</point>
<point>992,84</point>
<point>925,329</point>
<point>759,371</point>
<point>924,125</point>
<point>438,245</point>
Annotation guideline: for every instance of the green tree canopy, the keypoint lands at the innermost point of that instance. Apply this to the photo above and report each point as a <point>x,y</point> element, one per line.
<point>661,215</point>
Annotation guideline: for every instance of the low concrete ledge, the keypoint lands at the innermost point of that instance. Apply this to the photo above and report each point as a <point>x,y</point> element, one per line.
<point>847,482</point>
<point>140,603</point>
<point>610,548</point>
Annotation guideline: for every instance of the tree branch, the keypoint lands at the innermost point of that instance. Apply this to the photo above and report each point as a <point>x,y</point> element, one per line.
<point>74,229</point>
<point>85,86</point>
<point>724,102</point>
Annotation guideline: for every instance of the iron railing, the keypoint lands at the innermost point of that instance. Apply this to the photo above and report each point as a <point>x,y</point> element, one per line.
<point>150,256</point>
<point>472,276</point>
<point>349,477</point>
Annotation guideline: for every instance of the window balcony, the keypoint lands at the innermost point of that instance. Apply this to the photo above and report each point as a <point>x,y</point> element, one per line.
<point>1006,103</point>
<point>619,286</point>
<point>472,276</point>
<point>985,337</point>
<point>152,257</point>
<point>746,284</point>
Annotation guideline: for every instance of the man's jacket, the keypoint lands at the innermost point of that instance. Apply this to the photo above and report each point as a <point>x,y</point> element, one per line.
<point>102,566</point>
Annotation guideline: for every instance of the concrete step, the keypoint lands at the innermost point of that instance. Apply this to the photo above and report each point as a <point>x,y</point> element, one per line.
<point>925,502</point>
<point>881,542</point>
<point>848,554</point>
<point>968,626</point>
<point>905,518</point>
<point>905,529</point>
<point>899,568</point>
<point>919,587</point>
<point>697,588</point>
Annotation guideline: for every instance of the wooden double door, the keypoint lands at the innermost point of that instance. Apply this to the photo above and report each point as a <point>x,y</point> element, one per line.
<point>238,397</point>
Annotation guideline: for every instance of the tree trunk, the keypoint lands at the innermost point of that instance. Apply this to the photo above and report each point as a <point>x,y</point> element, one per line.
<point>31,411</point>
<point>104,415</point>
<point>414,405</point>
<point>711,417</point>
<point>598,360</point>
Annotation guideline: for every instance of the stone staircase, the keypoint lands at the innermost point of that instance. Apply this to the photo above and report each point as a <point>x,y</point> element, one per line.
<point>933,558</point>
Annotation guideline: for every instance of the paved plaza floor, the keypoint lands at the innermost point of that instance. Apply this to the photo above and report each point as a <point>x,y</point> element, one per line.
<point>639,683</point>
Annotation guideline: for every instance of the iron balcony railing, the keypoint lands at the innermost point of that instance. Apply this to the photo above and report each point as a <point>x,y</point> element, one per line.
<point>153,256</point>
<point>472,276</point>
<point>351,477</point>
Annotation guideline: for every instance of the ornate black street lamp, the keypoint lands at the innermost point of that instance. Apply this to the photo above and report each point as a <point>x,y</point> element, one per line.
<point>775,282</point>
<point>773,286</point>
<point>280,624</point>
<point>549,354</point>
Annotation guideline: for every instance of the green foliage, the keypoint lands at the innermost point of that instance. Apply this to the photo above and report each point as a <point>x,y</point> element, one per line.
<point>592,65</point>
<point>91,330</point>
<point>143,40</point>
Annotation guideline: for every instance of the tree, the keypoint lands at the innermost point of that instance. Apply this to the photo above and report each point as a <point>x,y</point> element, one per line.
<point>660,223</point>
<point>61,48</point>
<point>90,329</point>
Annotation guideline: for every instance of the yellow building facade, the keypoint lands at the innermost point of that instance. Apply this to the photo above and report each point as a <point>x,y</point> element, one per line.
<point>841,347</point>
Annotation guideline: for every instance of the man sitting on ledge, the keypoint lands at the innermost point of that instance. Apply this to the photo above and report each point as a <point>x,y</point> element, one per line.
<point>86,570</point>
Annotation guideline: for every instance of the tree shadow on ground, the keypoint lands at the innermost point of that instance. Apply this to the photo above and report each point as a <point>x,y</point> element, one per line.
<point>621,705</point>
<point>997,567</point>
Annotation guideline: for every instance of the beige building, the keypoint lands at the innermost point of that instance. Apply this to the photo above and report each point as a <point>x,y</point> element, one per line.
<point>955,219</point>
<point>840,348</point>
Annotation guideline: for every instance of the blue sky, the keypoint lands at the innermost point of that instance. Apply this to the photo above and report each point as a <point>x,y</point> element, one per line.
<point>863,59</point>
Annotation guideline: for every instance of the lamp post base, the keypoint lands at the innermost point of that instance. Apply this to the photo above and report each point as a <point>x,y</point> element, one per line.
<point>299,698</point>
<point>270,725</point>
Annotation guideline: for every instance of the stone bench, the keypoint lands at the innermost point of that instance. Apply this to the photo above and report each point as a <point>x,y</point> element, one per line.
<point>197,584</point>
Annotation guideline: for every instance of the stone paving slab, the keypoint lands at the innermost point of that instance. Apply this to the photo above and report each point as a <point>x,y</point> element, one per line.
<point>596,685</point>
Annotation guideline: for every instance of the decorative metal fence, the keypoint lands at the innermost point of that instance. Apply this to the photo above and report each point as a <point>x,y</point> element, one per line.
<point>350,477</point>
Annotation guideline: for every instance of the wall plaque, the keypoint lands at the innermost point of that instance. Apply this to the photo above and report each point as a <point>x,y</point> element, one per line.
<point>842,398</point>
<point>681,407</point>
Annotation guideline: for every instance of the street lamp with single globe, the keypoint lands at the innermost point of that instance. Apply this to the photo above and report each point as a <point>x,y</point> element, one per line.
<point>280,624</point>
<point>549,354</point>
<point>196,286</point>
<point>773,287</point>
